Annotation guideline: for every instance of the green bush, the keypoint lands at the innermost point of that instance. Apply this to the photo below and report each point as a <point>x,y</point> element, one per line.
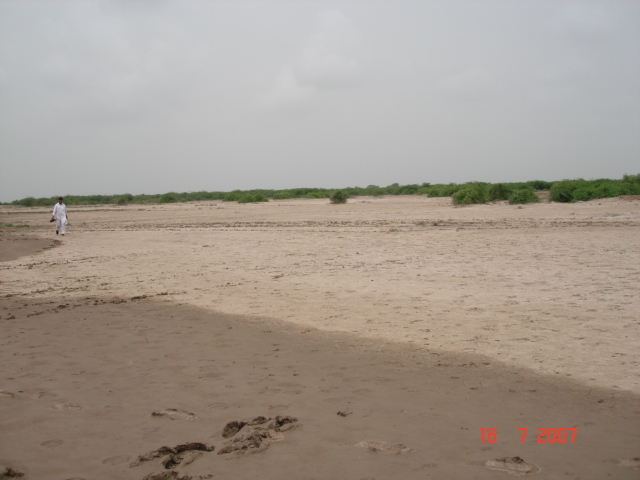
<point>563,191</point>
<point>539,185</point>
<point>168,198</point>
<point>584,190</point>
<point>499,191</point>
<point>282,196</point>
<point>232,196</point>
<point>631,178</point>
<point>410,190</point>
<point>339,196</point>
<point>202,195</point>
<point>441,190</point>
<point>373,190</point>
<point>256,198</point>
<point>122,201</point>
<point>629,188</point>
<point>318,194</point>
<point>27,202</point>
<point>589,192</point>
<point>471,193</point>
<point>393,189</point>
<point>47,202</point>
<point>524,195</point>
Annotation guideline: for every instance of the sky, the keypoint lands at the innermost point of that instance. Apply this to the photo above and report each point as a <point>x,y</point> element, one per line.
<point>137,97</point>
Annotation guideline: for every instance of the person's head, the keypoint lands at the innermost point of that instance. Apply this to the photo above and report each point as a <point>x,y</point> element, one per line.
<point>60,199</point>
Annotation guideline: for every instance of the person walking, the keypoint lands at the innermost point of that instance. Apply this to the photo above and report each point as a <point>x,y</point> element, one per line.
<point>59,214</point>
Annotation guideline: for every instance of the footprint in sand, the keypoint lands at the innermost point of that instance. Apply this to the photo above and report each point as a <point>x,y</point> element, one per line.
<point>68,407</point>
<point>52,443</point>
<point>175,414</point>
<point>396,449</point>
<point>515,465</point>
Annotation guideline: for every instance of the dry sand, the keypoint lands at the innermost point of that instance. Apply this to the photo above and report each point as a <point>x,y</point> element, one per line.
<point>417,321</point>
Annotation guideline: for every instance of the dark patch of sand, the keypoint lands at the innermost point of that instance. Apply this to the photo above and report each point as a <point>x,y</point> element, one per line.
<point>122,360</point>
<point>16,246</point>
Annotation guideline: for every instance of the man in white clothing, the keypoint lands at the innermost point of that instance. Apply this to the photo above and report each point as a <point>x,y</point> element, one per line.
<point>60,216</point>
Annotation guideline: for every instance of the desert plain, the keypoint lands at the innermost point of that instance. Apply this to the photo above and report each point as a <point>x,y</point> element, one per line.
<point>396,331</point>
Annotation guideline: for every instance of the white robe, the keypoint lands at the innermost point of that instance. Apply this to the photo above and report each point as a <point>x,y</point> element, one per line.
<point>60,214</point>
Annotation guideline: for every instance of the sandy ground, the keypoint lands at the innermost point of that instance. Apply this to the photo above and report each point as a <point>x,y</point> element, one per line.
<point>420,321</point>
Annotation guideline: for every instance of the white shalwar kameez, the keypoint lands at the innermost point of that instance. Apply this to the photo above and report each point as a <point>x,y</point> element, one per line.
<point>60,214</point>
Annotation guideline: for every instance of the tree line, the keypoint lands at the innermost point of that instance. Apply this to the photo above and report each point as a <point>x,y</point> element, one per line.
<point>461,193</point>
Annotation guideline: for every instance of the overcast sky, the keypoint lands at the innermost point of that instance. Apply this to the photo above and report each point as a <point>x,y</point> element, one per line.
<point>156,96</point>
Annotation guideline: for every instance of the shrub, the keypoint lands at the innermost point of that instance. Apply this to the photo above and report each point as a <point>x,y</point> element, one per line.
<point>248,198</point>
<point>199,196</point>
<point>373,190</point>
<point>583,190</point>
<point>168,198</point>
<point>317,194</point>
<point>471,193</point>
<point>393,189</point>
<point>563,191</point>
<point>589,192</point>
<point>409,190</point>
<point>27,202</point>
<point>282,196</point>
<point>122,201</point>
<point>339,196</point>
<point>443,190</point>
<point>46,202</point>
<point>631,178</point>
<point>539,185</point>
<point>499,191</point>
<point>629,188</point>
<point>232,196</point>
<point>524,195</point>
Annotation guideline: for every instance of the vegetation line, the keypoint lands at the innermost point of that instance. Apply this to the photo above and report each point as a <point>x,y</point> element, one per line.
<point>461,193</point>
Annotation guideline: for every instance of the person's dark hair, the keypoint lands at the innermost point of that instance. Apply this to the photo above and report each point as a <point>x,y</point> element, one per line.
<point>60,198</point>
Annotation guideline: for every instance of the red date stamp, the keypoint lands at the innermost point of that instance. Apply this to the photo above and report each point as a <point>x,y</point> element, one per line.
<point>545,435</point>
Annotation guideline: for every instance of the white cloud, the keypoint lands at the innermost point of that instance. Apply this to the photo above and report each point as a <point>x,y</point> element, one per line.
<point>288,93</point>
<point>102,68</point>
<point>331,59</point>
